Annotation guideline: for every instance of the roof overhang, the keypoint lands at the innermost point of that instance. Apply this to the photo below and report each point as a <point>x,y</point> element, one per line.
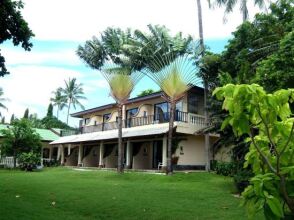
<point>146,130</point>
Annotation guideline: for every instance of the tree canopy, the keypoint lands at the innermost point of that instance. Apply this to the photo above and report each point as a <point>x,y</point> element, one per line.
<point>13,27</point>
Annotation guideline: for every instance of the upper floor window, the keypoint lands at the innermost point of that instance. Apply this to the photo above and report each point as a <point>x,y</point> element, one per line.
<point>86,121</point>
<point>132,112</point>
<point>193,103</point>
<point>106,117</point>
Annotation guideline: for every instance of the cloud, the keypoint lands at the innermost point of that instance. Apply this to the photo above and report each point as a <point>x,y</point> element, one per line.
<point>20,57</point>
<point>79,20</point>
<point>31,87</point>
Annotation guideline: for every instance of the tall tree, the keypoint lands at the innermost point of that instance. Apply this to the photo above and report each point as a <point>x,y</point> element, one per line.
<point>174,77</point>
<point>205,82</point>
<point>2,99</point>
<point>12,118</point>
<point>122,81</point>
<point>73,93</point>
<point>13,27</point>
<point>230,4</point>
<point>59,100</point>
<point>26,114</point>
<point>50,110</point>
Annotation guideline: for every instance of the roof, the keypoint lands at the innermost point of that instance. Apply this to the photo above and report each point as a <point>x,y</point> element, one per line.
<point>103,107</point>
<point>112,134</point>
<point>45,134</point>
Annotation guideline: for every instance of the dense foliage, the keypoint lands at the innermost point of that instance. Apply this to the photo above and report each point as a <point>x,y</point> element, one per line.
<point>268,122</point>
<point>19,138</point>
<point>13,27</point>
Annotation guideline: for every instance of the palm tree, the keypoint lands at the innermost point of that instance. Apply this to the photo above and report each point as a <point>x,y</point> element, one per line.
<point>230,4</point>
<point>122,81</point>
<point>2,100</point>
<point>73,93</point>
<point>58,100</point>
<point>202,52</point>
<point>174,76</point>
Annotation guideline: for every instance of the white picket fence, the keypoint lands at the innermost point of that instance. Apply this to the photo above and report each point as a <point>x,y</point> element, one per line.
<point>8,162</point>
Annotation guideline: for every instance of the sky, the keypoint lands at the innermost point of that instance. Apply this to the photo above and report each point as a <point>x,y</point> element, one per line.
<point>61,25</point>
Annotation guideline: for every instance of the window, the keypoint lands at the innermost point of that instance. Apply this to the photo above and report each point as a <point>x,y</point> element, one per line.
<point>132,112</point>
<point>193,103</point>
<point>161,111</point>
<point>106,117</point>
<point>179,106</point>
<point>87,121</point>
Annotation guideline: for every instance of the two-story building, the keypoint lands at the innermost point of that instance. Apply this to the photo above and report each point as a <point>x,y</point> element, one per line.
<point>145,128</point>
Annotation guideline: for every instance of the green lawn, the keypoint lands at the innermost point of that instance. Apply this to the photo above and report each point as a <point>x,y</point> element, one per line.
<point>107,195</point>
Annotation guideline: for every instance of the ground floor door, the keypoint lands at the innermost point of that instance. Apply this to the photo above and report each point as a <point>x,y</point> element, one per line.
<point>157,153</point>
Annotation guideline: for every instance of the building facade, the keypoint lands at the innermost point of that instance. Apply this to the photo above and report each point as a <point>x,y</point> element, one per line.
<point>145,128</point>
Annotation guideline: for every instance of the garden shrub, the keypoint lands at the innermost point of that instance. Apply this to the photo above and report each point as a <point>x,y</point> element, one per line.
<point>29,161</point>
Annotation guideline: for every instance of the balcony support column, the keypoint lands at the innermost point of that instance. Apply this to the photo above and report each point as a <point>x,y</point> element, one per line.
<point>62,155</point>
<point>50,152</point>
<point>129,155</point>
<point>164,152</point>
<point>68,149</point>
<point>80,156</point>
<point>101,154</point>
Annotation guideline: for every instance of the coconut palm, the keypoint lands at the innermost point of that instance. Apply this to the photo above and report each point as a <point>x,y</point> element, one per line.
<point>230,4</point>
<point>122,81</point>
<point>174,77</point>
<point>58,100</point>
<point>73,92</point>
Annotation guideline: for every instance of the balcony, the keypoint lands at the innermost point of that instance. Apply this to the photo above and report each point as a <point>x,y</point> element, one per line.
<point>183,117</point>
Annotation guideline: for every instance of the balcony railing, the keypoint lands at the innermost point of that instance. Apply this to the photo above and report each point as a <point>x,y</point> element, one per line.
<point>141,121</point>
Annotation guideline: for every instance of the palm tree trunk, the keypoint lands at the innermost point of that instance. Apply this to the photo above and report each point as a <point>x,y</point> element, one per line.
<point>68,111</point>
<point>201,39</point>
<point>169,166</point>
<point>200,26</point>
<point>120,167</point>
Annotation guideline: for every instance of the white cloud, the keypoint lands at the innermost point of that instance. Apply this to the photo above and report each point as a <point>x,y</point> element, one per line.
<point>32,86</point>
<point>19,57</point>
<point>80,20</point>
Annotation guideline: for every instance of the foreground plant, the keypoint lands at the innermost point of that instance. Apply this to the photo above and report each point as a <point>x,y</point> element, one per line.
<point>174,76</point>
<point>268,121</point>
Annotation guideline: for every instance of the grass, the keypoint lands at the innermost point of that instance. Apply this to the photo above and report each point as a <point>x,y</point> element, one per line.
<point>107,195</point>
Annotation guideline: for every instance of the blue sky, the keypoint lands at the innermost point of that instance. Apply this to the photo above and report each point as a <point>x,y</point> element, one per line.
<point>34,75</point>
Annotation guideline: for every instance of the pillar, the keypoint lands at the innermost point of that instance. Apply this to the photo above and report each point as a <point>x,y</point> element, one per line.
<point>129,155</point>
<point>68,149</point>
<point>50,152</point>
<point>164,152</point>
<point>101,148</point>
<point>58,153</point>
<point>207,151</point>
<point>42,156</point>
<point>80,158</point>
<point>62,155</point>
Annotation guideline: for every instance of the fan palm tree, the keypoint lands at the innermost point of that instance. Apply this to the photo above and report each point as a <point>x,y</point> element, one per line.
<point>2,100</point>
<point>58,100</point>
<point>122,81</point>
<point>230,4</point>
<point>174,77</point>
<point>73,93</point>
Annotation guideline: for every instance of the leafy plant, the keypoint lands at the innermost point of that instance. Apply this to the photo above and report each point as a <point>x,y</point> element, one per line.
<point>242,178</point>
<point>267,120</point>
<point>225,168</point>
<point>29,161</point>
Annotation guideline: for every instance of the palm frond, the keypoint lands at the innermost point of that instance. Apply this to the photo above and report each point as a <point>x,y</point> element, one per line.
<point>173,75</point>
<point>121,79</point>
